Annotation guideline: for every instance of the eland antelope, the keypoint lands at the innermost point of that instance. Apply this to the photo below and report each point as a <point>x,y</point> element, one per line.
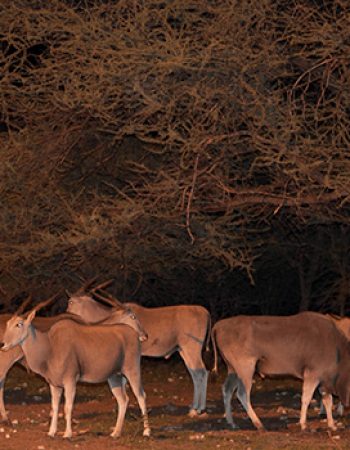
<point>8,359</point>
<point>343,325</point>
<point>307,346</point>
<point>15,354</point>
<point>71,351</point>
<point>182,328</point>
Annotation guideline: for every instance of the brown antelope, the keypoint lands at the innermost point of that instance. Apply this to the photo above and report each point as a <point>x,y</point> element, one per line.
<point>307,346</point>
<point>343,325</point>
<point>15,354</point>
<point>8,359</point>
<point>182,328</point>
<point>71,351</point>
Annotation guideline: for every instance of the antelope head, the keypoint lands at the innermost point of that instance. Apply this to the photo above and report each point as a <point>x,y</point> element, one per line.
<point>17,328</point>
<point>127,317</point>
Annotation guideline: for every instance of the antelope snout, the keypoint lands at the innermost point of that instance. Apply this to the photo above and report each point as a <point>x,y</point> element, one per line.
<point>4,348</point>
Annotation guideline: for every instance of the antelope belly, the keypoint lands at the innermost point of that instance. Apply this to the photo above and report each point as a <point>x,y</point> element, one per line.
<point>159,346</point>
<point>97,366</point>
<point>279,366</point>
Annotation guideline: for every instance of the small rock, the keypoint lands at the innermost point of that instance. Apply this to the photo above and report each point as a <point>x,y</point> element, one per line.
<point>37,398</point>
<point>14,422</point>
<point>7,436</point>
<point>197,437</point>
<point>336,436</point>
<point>2,430</point>
<point>281,410</point>
<point>41,447</point>
<point>171,380</point>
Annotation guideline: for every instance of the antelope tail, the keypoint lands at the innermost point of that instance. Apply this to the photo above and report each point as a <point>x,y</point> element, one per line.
<point>213,343</point>
<point>207,349</point>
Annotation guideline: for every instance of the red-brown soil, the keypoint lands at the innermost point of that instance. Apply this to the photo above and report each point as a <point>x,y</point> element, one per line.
<point>169,392</point>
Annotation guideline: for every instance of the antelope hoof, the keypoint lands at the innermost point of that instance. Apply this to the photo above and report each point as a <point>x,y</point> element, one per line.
<point>51,434</point>
<point>333,427</point>
<point>231,423</point>
<point>6,421</point>
<point>147,432</point>
<point>303,426</point>
<point>233,426</point>
<point>115,434</point>
<point>67,435</point>
<point>193,413</point>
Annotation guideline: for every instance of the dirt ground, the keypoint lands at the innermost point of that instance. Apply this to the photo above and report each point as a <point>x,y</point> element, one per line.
<point>169,392</point>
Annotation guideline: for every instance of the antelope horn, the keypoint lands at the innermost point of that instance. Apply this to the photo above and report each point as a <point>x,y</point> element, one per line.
<point>85,286</point>
<point>105,299</point>
<point>42,304</point>
<point>23,306</point>
<point>335,316</point>
<point>2,290</point>
<point>108,298</point>
<point>101,286</point>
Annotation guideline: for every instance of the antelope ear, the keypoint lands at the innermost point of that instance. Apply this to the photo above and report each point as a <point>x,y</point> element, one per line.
<point>31,316</point>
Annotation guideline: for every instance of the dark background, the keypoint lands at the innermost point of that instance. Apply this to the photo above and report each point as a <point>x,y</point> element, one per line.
<point>195,152</point>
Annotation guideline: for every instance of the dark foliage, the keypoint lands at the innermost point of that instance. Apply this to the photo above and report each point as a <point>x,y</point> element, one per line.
<point>194,151</point>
